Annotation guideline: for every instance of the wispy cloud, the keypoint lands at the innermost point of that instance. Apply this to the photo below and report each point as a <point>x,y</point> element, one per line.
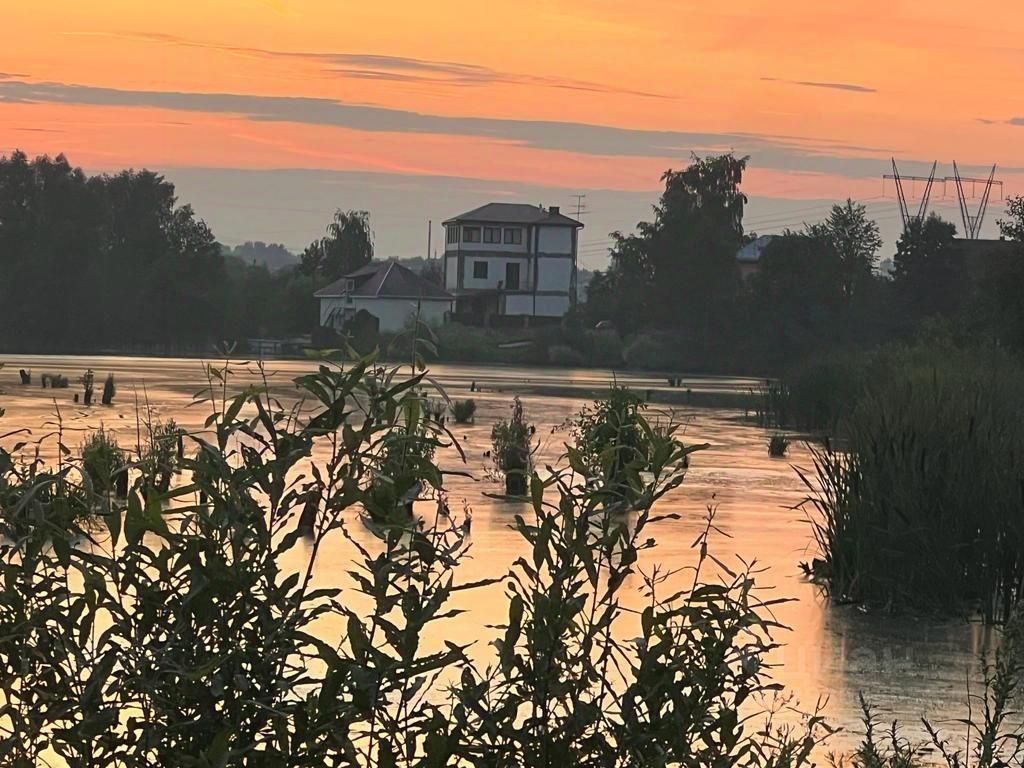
<point>850,87</point>
<point>791,153</point>
<point>384,67</point>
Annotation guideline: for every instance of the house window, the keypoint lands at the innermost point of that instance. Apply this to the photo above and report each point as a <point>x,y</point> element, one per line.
<point>512,276</point>
<point>479,270</point>
<point>453,234</point>
<point>471,234</point>
<point>492,234</point>
<point>514,236</point>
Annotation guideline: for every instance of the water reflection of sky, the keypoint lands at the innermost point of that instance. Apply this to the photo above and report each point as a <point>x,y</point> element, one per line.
<point>907,667</point>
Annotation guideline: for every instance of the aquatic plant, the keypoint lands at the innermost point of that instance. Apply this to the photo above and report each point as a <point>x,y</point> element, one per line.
<point>613,443</point>
<point>778,445</point>
<point>511,449</point>
<point>922,508</point>
<point>162,453</point>
<point>88,380</point>
<point>463,410</point>
<point>104,462</point>
<point>54,381</point>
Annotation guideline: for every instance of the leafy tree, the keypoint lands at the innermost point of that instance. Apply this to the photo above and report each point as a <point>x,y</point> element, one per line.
<point>797,297</point>
<point>854,238</point>
<point>273,256</point>
<point>347,246</point>
<point>928,268</point>
<point>1012,227</point>
<point>679,271</point>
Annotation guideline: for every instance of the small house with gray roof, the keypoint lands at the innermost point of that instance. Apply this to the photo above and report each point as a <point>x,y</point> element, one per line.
<point>389,293</point>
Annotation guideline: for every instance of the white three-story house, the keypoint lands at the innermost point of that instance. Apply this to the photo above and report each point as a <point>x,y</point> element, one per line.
<point>510,260</point>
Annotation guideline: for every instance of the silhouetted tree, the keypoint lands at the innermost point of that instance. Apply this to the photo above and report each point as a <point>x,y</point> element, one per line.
<point>347,246</point>
<point>855,239</point>
<point>929,271</point>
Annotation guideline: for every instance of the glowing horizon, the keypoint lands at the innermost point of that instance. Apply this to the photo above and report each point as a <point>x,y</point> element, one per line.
<point>593,96</point>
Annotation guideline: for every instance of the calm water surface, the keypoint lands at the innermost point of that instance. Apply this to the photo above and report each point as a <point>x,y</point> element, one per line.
<point>906,667</point>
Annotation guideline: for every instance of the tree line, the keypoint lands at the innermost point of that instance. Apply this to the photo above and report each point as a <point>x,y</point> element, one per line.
<point>113,261</point>
<point>677,279</point>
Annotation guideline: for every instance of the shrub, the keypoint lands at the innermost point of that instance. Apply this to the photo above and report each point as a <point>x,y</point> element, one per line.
<point>565,356</point>
<point>647,353</point>
<point>54,381</point>
<point>778,445</point>
<point>468,344</point>
<point>464,411</point>
<point>511,449</point>
<point>605,348</point>
<point>162,455</point>
<point>102,460</point>
<point>613,443</point>
<point>818,394</point>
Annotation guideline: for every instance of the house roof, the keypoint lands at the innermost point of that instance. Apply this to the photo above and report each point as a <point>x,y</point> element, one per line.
<point>515,213</point>
<point>383,280</point>
<point>751,252</point>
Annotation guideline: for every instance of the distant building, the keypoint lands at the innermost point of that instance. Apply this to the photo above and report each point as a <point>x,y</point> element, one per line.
<point>511,263</point>
<point>748,258</point>
<point>388,292</point>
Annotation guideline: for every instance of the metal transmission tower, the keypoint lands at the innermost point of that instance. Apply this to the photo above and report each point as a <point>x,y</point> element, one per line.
<point>901,193</point>
<point>972,224</point>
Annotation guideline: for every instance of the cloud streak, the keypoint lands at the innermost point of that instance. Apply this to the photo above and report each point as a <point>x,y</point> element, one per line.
<point>849,87</point>
<point>779,152</point>
<point>383,67</point>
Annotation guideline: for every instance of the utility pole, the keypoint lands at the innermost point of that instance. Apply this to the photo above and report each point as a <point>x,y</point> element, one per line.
<point>579,205</point>
<point>430,232</point>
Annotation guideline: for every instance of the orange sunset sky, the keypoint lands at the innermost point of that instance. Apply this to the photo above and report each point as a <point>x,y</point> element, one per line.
<point>268,114</point>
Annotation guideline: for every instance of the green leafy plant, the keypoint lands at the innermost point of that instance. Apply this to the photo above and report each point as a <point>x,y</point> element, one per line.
<point>103,460</point>
<point>161,454</point>
<point>511,449</point>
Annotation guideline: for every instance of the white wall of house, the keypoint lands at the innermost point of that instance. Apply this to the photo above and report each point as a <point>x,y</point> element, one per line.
<point>552,306</point>
<point>519,304</point>
<point>393,313</point>
<point>554,274</point>
<point>495,271</point>
<point>451,273</point>
<point>554,240</point>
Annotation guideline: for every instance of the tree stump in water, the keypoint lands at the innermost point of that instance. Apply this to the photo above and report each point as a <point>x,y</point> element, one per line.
<point>26,376</point>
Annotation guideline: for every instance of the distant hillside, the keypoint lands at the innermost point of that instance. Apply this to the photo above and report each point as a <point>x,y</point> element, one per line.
<point>273,256</point>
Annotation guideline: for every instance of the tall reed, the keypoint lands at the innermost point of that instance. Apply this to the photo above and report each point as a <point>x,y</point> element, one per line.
<point>924,507</point>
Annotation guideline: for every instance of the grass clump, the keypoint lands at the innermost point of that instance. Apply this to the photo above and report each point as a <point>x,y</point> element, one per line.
<point>923,508</point>
<point>162,453</point>
<point>464,411</point>
<point>778,445</point>
<point>103,461</point>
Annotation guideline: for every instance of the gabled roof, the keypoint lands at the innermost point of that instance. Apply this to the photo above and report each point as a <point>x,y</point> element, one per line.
<point>383,280</point>
<point>514,213</point>
<point>751,252</point>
